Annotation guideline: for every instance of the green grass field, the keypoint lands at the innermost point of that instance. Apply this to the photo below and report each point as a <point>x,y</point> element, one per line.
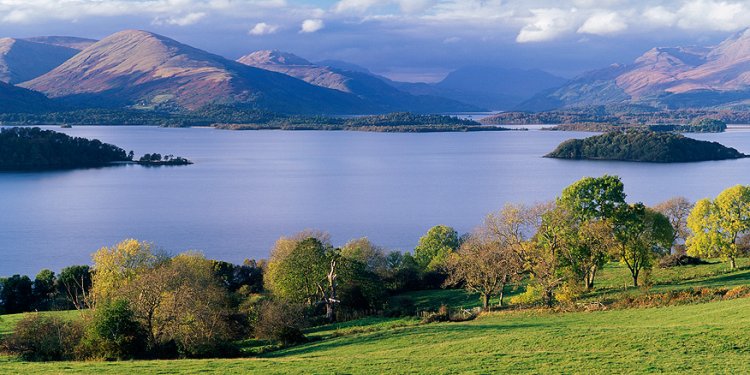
<point>701,338</point>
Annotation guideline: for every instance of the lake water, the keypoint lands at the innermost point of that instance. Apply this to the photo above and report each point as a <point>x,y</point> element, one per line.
<point>248,188</point>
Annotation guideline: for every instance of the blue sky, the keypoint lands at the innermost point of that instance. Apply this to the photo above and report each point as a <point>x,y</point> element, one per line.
<point>405,39</point>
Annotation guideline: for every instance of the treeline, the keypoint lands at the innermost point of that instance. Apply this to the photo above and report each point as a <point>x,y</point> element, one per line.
<point>139,303</point>
<point>703,125</point>
<point>239,118</point>
<point>618,115</point>
<point>643,146</point>
<point>33,148</point>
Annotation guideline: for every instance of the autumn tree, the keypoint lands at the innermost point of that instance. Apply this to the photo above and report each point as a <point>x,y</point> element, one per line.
<point>436,246</point>
<point>115,266</point>
<point>534,235</point>
<point>677,211</point>
<point>482,265</point>
<point>642,234</point>
<point>718,225</point>
<point>296,268</point>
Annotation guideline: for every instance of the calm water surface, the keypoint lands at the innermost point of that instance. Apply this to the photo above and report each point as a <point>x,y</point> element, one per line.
<point>248,188</point>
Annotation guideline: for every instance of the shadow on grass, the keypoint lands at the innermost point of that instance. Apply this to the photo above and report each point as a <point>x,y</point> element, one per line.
<point>418,333</point>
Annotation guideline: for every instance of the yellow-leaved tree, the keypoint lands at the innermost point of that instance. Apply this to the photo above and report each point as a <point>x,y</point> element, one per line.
<point>717,225</point>
<point>115,266</point>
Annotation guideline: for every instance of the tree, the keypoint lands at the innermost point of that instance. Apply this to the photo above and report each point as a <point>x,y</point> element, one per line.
<point>75,283</point>
<point>718,225</point>
<point>44,289</point>
<point>592,204</point>
<point>362,250</point>
<point>585,246</point>
<point>114,333</point>
<point>296,268</point>
<point>436,246</point>
<point>115,266</point>
<point>641,233</point>
<point>483,266</point>
<point>534,235</point>
<point>677,211</point>
<point>16,294</point>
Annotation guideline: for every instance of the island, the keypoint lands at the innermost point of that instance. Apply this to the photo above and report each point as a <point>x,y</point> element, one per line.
<point>643,146</point>
<point>31,149</point>
<point>399,122</point>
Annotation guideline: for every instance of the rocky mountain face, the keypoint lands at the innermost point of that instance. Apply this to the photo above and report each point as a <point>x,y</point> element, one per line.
<point>143,69</point>
<point>669,77</point>
<point>358,82</point>
<point>22,60</point>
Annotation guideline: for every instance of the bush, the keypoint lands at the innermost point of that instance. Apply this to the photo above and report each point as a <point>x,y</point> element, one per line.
<point>114,334</point>
<point>441,315</point>
<point>531,296</point>
<point>677,260</point>
<point>44,338</point>
<point>281,322</point>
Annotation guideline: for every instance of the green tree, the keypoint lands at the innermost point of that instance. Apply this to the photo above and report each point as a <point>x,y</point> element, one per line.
<point>717,225</point>
<point>591,205</point>
<point>296,269</point>
<point>44,289</point>
<point>16,294</point>
<point>642,234</point>
<point>436,246</point>
<point>115,266</point>
<point>114,333</point>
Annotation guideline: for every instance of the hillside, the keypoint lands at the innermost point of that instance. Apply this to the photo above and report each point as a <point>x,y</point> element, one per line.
<point>18,100</point>
<point>675,77</point>
<point>22,60</point>
<point>362,84</point>
<point>142,69</point>
<point>643,146</point>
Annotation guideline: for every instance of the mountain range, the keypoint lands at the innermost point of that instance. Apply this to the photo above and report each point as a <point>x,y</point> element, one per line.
<point>142,70</point>
<point>674,77</point>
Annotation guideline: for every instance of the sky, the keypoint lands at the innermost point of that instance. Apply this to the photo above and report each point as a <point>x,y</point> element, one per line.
<point>412,40</point>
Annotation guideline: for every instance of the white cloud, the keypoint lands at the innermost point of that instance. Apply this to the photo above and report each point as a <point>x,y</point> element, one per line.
<point>602,24</point>
<point>312,25</point>
<point>263,28</point>
<point>185,20</point>
<point>713,15</point>
<point>547,24</point>
<point>660,16</point>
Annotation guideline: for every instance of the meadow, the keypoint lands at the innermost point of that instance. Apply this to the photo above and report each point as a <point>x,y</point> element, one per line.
<point>706,338</point>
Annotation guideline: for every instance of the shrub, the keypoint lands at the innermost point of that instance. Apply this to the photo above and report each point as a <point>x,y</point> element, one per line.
<point>281,322</point>
<point>677,260</point>
<point>114,334</point>
<point>441,315</point>
<point>531,296</point>
<point>44,338</point>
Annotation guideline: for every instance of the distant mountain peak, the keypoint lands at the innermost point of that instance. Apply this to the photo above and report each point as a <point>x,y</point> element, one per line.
<point>63,41</point>
<point>273,57</point>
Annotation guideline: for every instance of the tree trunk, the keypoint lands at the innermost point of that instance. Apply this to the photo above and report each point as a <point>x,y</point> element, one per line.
<point>635,279</point>
<point>485,301</point>
<point>590,278</point>
<point>732,263</point>
<point>330,313</point>
<point>502,294</point>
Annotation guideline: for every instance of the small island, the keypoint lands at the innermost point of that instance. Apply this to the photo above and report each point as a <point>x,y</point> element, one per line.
<point>643,146</point>
<point>32,149</point>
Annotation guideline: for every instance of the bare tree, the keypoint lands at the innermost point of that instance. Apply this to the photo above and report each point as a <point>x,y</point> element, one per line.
<point>483,266</point>
<point>677,211</point>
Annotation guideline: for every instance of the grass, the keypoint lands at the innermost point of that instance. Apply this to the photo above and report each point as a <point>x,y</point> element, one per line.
<point>708,338</point>
<point>8,322</point>
<point>705,338</point>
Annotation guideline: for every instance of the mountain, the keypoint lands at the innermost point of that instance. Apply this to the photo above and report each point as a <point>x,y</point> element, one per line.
<point>16,99</point>
<point>490,87</point>
<point>22,60</point>
<point>668,77</point>
<point>362,84</point>
<point>146,70</point>
<point>63,41</point>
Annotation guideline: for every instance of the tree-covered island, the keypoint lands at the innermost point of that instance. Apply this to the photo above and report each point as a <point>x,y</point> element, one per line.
<point>24,149</point>
<point>643,146</point>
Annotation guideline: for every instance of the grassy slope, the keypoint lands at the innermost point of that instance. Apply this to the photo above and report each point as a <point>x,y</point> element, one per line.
<point>707,338</point>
